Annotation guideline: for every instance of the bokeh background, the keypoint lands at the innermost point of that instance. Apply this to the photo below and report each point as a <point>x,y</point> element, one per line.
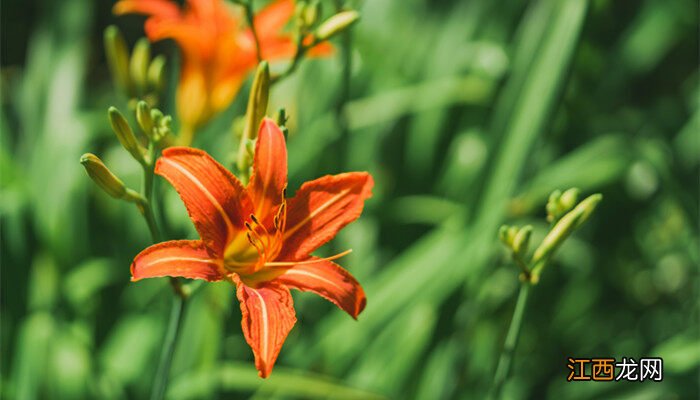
<point>468,113</point>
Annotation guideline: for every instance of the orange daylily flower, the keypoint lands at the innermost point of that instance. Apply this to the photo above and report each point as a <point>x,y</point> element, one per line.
<point>218,50</point>
<point>259,240</point>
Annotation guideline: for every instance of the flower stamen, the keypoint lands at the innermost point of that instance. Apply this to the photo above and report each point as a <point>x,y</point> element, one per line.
<point>292,263</point>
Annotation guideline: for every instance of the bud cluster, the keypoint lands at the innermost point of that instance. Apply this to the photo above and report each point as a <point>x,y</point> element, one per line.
<point>565,215</point>
<point>137,75</point>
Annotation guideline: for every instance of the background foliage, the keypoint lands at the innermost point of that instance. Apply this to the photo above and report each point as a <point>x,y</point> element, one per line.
<point>468,113</point>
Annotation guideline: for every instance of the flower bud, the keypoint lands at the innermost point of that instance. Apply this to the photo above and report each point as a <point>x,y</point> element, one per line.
<point>156,73</point>
<point>102,176</point>
<point>507,235</point>
<point>257,106</point>
<point>307,13</point>
<point>565,226</point>
<point>163,128</point>
<point>126,136</point>
<point>588,205</point>
<point>335,24</point>
<point>282,122</point>
<point>568,199</point>
<point>521,241</point>
<point>118,59</point>
<point>140,60</point>
<point>553,206</point>
<point>143,117</point>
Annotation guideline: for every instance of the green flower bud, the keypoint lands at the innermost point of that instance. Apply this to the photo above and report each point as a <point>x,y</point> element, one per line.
<point>257,107</point>
<point>143,117</point>
<point>336,24</point>
<point>140,61</point>
<point>568,199</point>
<point>156,73</point>
<point>118,59</point>
<point>521,241</point>
<point>553,206</point>
<point>307,13</point>
<point>106,180</point>
<point>126,136</point>
<point>562,229</point>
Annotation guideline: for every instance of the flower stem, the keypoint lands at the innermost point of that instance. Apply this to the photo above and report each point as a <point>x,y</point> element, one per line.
<point>147,207</point>
<point>506,358</point>
<point>250,16</point>
<point>298,55</point>
<point>160,383</point>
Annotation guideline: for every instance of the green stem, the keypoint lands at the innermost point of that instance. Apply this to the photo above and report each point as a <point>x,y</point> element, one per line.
<point>160,383</point>
<point>161,380</point>
<point>147,207</point>
<point>506,358</point>
<point>250,15</point>
<point>346,38</point>
<point>298,55</point>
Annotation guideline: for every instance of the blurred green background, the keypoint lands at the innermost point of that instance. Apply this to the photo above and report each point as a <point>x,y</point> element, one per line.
<point>468,113</point>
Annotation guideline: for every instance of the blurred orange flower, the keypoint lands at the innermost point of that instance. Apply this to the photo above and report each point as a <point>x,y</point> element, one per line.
<point>218,49</point>
<point>257,239</point>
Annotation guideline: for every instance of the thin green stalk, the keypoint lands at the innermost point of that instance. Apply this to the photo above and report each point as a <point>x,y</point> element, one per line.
<point>298,55</point>
<point>345,77</point>
<point>147,207</point>
<point>250,15</point>
<point>160,383</point>
<point>506,359</point>
<point>161,379</point>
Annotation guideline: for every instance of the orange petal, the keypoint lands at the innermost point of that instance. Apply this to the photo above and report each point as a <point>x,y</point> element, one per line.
<point>321,208</point>
<point>328,280</point>
<point>192,96</point>
<point>269,169</point>
<point>180,258</point>
<point>191,37</point>
<point>268,316</point>
<point>214,198</point>
<point>159,8</point>
<point>224,91</point>
<point>278,48</point>
<point>322,49</point>
<point>271,19</point>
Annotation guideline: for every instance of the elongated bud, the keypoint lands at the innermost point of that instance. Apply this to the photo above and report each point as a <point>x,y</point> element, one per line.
<point>143,117</point>
<point>521,241</point>
<point>282,122</point>
<point>560,203</point>
<point>257,106</point>
<point>568,199</point>
<point>588,205</point>
<point>336,24</point>
<point>553,206</point>
<point>118,59</point>
<point>565,226</point>
<point>106,180</point>
<point>140,61</point>
<point>307,13</point>
<point>126,136</point>
<point>156,73</point>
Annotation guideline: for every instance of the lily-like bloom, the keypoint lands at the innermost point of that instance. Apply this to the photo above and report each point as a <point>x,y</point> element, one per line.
<point>259,240</point>
<point>218,50</point>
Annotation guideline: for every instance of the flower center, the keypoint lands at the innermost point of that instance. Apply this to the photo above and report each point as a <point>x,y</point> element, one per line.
<point>251,250</point>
